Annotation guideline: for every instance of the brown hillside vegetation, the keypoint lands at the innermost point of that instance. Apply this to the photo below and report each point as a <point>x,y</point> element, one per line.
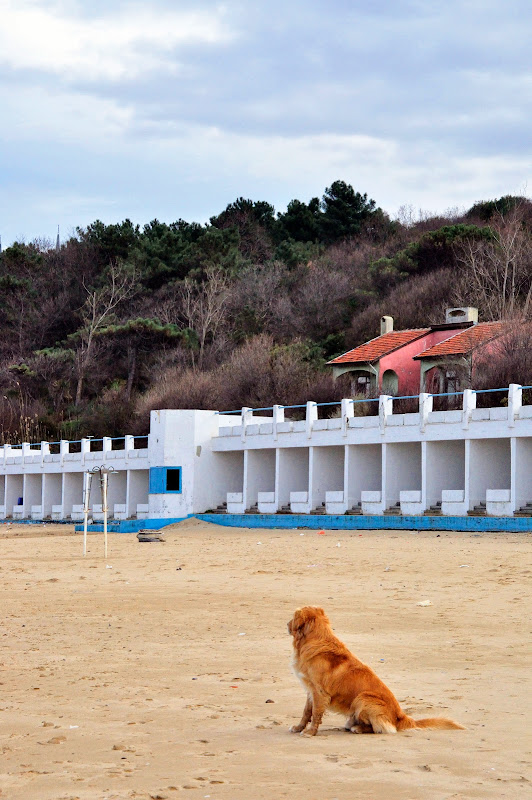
<point>244,310</point>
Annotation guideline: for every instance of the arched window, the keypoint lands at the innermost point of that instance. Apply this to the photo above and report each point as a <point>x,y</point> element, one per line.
<point>390,382</point>
<point>362,384</point>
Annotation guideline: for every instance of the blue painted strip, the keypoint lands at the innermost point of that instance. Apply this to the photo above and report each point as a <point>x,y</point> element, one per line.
<point>132,525</point>
<point>347,522</point>
<point>321,521</point>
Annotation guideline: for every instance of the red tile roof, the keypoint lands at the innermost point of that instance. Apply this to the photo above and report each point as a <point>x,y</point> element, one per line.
<point>464,341</point>
<point>379,347</point>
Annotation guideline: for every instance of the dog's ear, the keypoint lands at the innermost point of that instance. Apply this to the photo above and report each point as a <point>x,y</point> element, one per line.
<point>304,620</point>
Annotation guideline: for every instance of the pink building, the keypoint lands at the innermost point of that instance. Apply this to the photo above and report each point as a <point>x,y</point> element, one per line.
<point>406,362</point>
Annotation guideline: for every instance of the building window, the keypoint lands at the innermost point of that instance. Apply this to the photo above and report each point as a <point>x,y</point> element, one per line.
<point>390,382</point>
<point>173,479</point>
<point>361,386</point>
<point>451,381</point>
<point>165,480</point>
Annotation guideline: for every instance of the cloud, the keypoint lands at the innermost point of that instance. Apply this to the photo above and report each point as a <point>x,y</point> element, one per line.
<point>174,109</point>
<point>118,45</point>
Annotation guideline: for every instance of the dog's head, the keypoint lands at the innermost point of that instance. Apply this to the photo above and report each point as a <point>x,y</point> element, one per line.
<point>305,620</point>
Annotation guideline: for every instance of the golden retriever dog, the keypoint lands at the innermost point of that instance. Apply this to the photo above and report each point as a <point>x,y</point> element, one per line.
<point>334,678</point>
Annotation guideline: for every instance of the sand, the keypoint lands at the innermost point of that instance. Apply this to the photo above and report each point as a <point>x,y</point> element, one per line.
<point>164,671</point>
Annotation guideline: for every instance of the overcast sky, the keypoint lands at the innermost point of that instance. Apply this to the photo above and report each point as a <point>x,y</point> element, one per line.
<point>171,108</point>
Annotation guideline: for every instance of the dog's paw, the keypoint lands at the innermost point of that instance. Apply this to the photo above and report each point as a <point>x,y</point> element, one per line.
<point>295,729</point>
<point>355,729</point>
<point>308,732</point>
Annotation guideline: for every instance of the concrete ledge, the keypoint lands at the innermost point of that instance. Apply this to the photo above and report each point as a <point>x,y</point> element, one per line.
<point>453,496</point>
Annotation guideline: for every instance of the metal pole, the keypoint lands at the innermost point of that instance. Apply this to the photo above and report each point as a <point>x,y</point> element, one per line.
<point>87,479</point>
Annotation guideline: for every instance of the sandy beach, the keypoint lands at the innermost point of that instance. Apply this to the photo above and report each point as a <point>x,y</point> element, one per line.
<point>164,670</point>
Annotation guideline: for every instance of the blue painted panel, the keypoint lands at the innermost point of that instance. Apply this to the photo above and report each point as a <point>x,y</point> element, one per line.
<point>132,525</point>
<point>158,480</point>
<point>347,522</point>
<point>331,522</point>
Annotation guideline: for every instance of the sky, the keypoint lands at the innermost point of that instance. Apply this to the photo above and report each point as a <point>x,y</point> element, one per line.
<point>169,109</point>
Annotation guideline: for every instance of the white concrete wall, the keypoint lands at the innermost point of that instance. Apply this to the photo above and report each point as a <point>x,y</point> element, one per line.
<point>364,471</point>
<point>293,474</point>
<point>116,490</point>
<point>230,477</point>
<point>327,472</point>
<point>52,492</point>
<point>32,493</point>
<point>522,472</point>
<point>73,491</point>
<point>260,475</point>
<point>489,468</point>
<point>464,453</point>
<point>444,469</point>
<point>402,470</point>
<point>138,486</point>
<point>14,490</point>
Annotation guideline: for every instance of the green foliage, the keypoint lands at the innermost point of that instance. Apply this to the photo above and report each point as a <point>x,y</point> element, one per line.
<point>432,251</point>
<point>297,288</point>
<point>142,328</point>
<point>21,370</point>
<point>300,222</point>
<point>242,212</point>
<point>59,354</point>
<point>344,210</point>
<point>322,351</point>
<point>21,258</point>
<point>8,283</point>
<point>294,253</point>
<point>112,242</point>
<point>166,253</point>
<point>486,209</point>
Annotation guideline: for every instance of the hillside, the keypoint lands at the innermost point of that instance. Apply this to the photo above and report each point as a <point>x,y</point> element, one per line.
<point>244,310</point>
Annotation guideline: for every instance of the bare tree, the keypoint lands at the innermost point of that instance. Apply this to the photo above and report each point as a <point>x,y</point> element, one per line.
<point>506,360</point>
<point>321,301</point>
<point>203,308</point>
<point>498,271</point>
<point>256,293</point>
<point>95,313</point>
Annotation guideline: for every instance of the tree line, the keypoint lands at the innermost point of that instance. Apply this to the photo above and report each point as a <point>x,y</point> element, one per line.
<point>243,310</point>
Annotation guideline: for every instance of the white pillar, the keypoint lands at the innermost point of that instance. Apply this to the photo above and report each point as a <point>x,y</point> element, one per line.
<point>64,448</point>
<point>276,480</point>
<point>467,475</point>
<point>424,475</point>
<point>425,407</point>
<point>515,401</point>
<point>384,476</point>
<point>245,480</point>
<point>247,416</point>
<point>45,450</point>
<point>311,416</point>
<point>347,411</point>
<point>385,410</point>
<point>469,403</point>
<point>278,416</point>
<point>85,448</point>
<point>513,470</point>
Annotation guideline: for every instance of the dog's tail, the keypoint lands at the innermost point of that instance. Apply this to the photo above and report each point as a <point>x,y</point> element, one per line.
<point>442,723</point>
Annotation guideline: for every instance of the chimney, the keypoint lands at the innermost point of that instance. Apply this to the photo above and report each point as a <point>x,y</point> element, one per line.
<point>386,325</point>
<point>467,314</point>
